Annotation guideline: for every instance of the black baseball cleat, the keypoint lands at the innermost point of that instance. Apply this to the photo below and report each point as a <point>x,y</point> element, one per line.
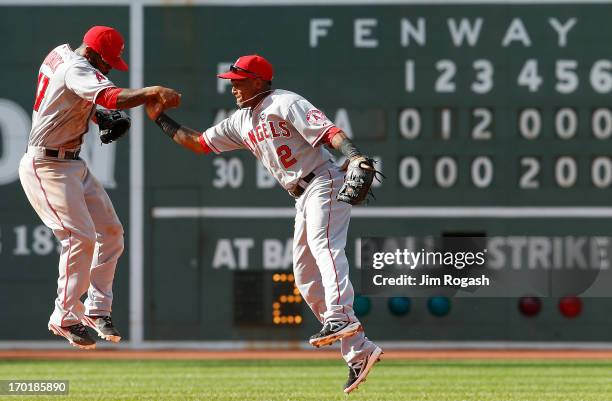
<point>332,331</point>
<point>103,325</point>
<point>359,370</point>
<point>76,335</point>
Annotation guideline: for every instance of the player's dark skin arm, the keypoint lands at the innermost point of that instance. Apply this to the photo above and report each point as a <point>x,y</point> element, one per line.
<point>184,136</point>
<point>129,98</point>
<point>342,143</point>
<point>188,138</point>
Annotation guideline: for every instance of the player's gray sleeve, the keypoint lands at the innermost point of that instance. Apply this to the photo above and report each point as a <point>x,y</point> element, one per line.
<point>224,136</point>
<point>309,121</point>
<point>86,82</point>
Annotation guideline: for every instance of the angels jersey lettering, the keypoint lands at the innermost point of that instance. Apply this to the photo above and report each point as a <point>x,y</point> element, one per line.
<point>282,131</point>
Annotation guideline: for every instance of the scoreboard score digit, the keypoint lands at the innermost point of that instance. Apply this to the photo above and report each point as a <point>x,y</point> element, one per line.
<point>553,150</point>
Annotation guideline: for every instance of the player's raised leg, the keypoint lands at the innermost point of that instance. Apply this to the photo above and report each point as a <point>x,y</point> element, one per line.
<point>54,188</point>
<point>305,270</point>
<point>109,246</point>
<point>327,224</point>
<point>359,370</point>
<point>310,283</point>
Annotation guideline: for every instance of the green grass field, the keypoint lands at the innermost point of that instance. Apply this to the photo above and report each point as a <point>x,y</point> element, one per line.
<point>320,380</point>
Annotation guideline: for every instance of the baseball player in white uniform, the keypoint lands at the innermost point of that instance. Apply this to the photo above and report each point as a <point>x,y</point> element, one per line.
<point>63,192</point>
<point>285,132</point>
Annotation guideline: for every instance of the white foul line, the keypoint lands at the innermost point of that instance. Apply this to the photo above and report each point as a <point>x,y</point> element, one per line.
<point>543,212</point>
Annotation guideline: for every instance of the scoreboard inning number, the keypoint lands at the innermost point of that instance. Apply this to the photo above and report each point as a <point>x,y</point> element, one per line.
<point>529,77</point>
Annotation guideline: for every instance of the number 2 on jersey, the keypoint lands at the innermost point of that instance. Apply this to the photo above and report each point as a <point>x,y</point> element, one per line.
<point>284,154</point>
<point>41,88</point>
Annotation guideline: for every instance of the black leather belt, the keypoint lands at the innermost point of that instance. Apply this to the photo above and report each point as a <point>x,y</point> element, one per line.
<point>67,155</point>
<point>298,190</point>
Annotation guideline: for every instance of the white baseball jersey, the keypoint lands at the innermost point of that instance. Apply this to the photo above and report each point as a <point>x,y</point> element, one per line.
<point>67,88</point>
<point>282,131</point>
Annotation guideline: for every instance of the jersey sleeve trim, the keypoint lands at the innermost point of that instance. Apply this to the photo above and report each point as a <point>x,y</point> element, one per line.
<point>323,134</point>
<point>204,145</point>
<point>100,90</point>
<point>107,97</point>
<point>208,142</point>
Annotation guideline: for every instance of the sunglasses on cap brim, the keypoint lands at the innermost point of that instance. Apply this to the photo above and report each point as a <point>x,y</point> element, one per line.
<point>235,69</point>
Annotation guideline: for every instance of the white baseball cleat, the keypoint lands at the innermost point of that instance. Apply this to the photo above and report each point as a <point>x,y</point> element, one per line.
<point>360,369</point>
<point>76,335</point>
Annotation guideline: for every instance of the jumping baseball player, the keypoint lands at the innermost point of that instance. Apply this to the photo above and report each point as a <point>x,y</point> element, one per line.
<point>65,195</point>
<point>286,133</point>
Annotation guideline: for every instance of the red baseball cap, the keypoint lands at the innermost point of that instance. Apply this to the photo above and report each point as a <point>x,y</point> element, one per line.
<point>109,43</point>
<point>252,66</point>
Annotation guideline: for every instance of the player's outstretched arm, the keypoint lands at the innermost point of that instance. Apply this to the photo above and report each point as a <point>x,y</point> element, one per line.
<point>129,98</point>
<point>184,136</point>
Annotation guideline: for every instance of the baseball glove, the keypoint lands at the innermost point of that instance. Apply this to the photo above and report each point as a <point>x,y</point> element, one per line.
<point>113,124</point>
<point>360,174</point>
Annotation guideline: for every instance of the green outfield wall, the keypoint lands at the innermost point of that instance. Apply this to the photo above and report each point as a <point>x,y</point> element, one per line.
<point>469,108</point>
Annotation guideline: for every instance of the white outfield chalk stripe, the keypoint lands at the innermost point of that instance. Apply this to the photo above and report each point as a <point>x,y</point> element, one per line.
<point>543,212</point>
